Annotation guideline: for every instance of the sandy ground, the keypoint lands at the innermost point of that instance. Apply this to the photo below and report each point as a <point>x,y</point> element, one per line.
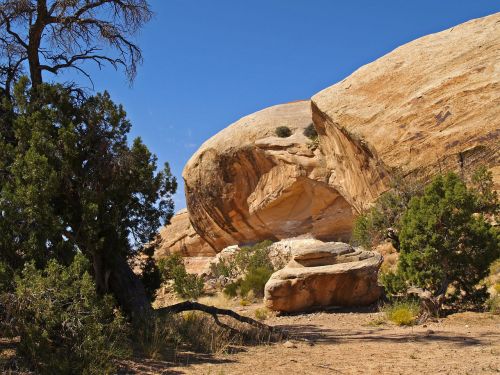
<point>352,343</point>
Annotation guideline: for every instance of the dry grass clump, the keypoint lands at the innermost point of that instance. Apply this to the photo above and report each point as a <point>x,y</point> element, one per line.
<point>162,337</point>
<point>219,300</point>
<point>261,313</point>
<point>201,334</point>
<point>493,303</point>
<point>492,282</point>
<point>402,313</point>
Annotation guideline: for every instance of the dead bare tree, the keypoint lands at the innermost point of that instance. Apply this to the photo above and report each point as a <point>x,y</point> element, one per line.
<point>54,35</point>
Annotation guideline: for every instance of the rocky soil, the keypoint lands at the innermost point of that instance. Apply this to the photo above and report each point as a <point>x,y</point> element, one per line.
<point>353,343</point>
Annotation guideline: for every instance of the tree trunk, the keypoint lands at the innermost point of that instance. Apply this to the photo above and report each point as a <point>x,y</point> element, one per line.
<point>34,42</point>
<point>113,275</point>
<point>430,304</point>
<point>34,59</point>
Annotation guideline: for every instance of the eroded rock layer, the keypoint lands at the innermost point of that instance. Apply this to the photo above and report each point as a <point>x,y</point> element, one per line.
<point>180,237</point>
<point>246,184</point>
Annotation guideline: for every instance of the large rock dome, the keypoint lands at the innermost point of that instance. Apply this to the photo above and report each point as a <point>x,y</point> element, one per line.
<point>429,106</point>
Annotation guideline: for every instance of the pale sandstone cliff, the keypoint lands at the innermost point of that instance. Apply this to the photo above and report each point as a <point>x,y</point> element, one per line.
<point>431,105</point>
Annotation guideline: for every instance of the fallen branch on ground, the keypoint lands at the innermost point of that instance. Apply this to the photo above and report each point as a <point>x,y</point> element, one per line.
<point>215,311</point>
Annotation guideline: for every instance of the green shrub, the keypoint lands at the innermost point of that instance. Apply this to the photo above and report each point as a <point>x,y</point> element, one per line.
<point>310,132</point>
<point>6,277</point>
<point>255,266</point>
<point>402,313</point>
<point>64,326</point>
<point>393,282</point>
<point>255,280</point>
<point>190,286</point>
<point>383,221</point>
<point>224,268</point>
<point>251,257</point>
<point>445,240</point>
<point>283,131</point>
<point>481,182</point>
<point>185,285</point>
<point>231,289</point>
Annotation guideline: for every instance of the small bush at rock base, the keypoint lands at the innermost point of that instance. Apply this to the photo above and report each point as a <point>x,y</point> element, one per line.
<point>402,313</point>
<point>231,289</point>
<point>283,131</point>
<point>64,325</point>
<point>254,265</point>
<point>224,268</point>
<point>262,313</point>
<point>251,257</point>
<point>255,280</point>
<point>185,285</point>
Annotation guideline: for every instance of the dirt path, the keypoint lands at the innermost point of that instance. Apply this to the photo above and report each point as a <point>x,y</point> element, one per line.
<point>350,343</point>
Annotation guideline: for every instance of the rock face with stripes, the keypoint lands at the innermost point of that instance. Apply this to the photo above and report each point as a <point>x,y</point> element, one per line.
<point>429,106</point>
<point>247,184</point>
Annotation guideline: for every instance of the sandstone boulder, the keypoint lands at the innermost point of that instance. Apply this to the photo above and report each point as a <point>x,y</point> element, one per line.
<point>322,275</point>
<point>180,237</point>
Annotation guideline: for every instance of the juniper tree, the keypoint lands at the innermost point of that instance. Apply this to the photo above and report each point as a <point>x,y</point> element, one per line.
<point>70,182</point>
<point>446,240</point>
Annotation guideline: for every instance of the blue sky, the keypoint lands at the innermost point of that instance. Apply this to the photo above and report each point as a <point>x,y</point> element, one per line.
<point>208,63</point>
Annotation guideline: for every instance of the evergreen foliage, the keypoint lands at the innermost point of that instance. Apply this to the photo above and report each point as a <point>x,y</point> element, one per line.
<point>64,325</point>
<point>310,132</point>
<point>383,221</point>
<point>446,240</point>
<point>252,266</point>
<point>70,181</point>
<point>186,285</point>
<point>283,131</point>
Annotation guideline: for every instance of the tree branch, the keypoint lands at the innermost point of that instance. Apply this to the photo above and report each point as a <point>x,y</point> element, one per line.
<point>8,28</point>
<point>214,311</point>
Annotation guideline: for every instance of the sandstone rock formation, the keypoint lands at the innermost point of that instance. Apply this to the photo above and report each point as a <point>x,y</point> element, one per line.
<point>246,184</point>
<point>180,237</point>
<point>325,274</point>
<point>431,105</point>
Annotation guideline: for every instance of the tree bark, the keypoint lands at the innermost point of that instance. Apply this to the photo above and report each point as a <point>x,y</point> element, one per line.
<point>114,275</point>
<point>430,304</point>
<point>34,42</point>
